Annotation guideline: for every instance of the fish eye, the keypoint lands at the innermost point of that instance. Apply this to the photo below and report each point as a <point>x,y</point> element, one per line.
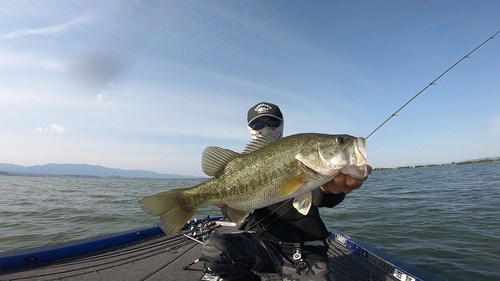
<point>340,140</point>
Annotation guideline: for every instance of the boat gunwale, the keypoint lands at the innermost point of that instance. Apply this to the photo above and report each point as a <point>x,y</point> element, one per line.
<point>47,253</point>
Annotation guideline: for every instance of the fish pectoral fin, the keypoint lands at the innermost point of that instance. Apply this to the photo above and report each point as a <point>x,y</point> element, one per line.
<point>214,159</point>
<point>237,215</point>
<point>291,185</point>
<point>303,203</point>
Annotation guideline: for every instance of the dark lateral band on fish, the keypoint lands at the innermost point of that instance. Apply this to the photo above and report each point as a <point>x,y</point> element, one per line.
<point>267,172</point>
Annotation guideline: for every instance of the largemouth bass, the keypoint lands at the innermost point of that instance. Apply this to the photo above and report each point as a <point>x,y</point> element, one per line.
<point>268,171</point>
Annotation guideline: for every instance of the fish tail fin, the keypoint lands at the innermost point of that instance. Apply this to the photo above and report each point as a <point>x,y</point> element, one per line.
<point>168,206</point>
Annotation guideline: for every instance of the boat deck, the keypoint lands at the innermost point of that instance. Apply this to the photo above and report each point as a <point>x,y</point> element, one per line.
<point>155,258</point>
<point>164,257</point>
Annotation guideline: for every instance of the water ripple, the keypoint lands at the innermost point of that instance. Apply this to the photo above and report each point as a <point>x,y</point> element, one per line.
<point>442,219</point>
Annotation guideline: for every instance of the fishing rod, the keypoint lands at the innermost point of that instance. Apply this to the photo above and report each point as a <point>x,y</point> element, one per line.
<point>433,82</point>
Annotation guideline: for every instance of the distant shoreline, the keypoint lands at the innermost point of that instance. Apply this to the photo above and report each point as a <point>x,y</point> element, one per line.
<point>440,165</point>
<point>161,176</point>
<point>13,174</point>
<point>80,170</point>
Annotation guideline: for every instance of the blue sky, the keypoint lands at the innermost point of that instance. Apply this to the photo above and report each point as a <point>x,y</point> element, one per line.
<point>149,84</point>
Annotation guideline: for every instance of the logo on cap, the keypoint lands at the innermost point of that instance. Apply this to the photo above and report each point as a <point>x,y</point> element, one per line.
<point>263,108</point>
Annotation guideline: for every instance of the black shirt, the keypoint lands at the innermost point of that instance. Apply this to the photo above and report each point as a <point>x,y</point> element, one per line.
<point>281,222</point>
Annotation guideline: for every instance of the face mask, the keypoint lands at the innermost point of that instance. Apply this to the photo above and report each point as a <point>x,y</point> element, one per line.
<point>274,132</point>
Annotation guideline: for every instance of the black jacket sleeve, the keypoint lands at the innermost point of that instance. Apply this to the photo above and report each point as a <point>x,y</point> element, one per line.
<point>322,199</point>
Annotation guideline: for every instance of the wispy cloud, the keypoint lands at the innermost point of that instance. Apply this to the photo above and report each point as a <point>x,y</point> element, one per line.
<point>52,129</point>
<point>23,60</point>
<point>101,97</point>
<point>54,30</point>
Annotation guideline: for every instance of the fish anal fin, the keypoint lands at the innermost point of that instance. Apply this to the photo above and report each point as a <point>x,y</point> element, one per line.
<point>303,203</point>
<point>237,215</point>
<point>214,159</point>
<point>291,185</point>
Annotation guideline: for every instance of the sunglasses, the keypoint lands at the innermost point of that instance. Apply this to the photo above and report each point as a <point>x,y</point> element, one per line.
<point>261,124</point>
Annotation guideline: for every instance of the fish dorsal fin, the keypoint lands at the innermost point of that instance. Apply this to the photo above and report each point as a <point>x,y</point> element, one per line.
<point>258,144</point>
<point>214,159</point>
<point>303,203</point>
<point>237,215</point>
<point>291,185</point>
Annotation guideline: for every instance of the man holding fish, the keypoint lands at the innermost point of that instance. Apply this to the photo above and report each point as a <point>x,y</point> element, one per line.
<point>279,238</point>
<point>276,185</point>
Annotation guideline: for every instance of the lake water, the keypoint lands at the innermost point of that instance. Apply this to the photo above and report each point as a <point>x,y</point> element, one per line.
<point>444,220</point>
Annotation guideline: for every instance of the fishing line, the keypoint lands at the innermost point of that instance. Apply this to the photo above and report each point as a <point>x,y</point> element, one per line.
<point>279,215</point>
<point>489,274</point>
<point>433,82</point>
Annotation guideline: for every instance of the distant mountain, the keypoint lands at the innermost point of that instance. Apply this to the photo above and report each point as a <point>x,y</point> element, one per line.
<point>83,170</point>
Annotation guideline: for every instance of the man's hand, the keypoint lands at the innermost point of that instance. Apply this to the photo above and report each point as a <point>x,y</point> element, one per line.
<point>343,183</point>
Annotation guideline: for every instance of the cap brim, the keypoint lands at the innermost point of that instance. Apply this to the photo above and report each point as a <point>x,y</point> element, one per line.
<point>262,115</point>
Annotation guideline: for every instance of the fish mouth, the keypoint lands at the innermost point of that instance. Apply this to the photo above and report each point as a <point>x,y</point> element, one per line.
<point>356,166</point>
